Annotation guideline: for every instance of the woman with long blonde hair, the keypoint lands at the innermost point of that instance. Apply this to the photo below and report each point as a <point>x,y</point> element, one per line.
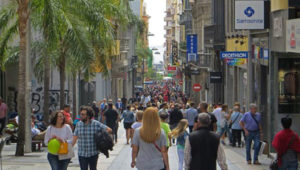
<point>149,144</point>
<point>181,134</point>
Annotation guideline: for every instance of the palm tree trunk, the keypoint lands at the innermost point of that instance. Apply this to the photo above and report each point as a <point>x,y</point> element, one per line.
<point>46,87</point>
<point>74,82</point>
<point>23,12</point>
<point>62,79</point>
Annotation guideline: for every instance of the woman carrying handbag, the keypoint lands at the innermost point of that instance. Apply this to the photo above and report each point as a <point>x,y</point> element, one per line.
<point>58,131</point>
<point>287,144</point>
<point>149,144</point>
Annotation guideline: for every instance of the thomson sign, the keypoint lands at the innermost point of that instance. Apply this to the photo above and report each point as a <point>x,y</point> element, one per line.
<point>249,14</point>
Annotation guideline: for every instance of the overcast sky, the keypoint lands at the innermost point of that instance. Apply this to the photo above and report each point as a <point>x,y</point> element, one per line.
<point>156,10</point>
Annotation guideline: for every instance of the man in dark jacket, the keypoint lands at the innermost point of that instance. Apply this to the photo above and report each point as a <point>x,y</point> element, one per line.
<point>203,149</point>
<point>175,116</point>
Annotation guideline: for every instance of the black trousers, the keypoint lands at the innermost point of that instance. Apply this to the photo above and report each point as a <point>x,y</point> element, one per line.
<point>2,124</point>
<point>191,128</point>
<point>236,137</point>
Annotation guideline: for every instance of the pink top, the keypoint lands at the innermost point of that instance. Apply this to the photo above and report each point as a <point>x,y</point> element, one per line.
<point>3,110</point>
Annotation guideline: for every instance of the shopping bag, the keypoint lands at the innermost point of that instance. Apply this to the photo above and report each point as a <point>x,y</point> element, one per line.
<point>69,155</point>
<point>262,147</point>
<point>63,149</point>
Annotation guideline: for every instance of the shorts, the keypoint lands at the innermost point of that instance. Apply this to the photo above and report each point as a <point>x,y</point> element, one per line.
<point>127,125</point>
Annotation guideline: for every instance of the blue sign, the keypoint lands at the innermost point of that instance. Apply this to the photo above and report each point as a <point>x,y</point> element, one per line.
<point>234,54</point>
<point>249,12</point>
<point>192,47</point>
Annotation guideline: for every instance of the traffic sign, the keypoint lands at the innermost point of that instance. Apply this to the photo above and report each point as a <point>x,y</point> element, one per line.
<point>197,87</point>
<point>171,68</point>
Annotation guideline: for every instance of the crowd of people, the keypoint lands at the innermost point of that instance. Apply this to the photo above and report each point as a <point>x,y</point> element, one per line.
<point>155,120</point>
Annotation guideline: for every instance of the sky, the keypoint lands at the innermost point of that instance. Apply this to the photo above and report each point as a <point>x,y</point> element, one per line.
<point>156,10</point>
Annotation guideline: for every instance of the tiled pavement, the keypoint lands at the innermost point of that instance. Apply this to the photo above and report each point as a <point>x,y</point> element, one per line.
<point>120,159</point>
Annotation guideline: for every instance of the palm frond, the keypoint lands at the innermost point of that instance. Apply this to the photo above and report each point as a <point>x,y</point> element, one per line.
<point>5,37</point>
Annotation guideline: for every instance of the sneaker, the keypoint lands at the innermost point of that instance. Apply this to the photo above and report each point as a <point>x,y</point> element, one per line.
<point>256,163</point>
<point>249,162</point>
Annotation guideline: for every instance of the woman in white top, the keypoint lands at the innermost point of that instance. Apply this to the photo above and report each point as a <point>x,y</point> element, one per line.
<point>63,133</point>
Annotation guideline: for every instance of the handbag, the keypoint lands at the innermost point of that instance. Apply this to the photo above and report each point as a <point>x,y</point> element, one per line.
<point>157,147</point>
<point>69,155</point>
<point>274,163</point>
<point>63,149</point>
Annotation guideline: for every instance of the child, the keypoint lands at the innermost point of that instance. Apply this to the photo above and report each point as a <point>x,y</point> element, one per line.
<point>181,134</point>
<point>138,124</point>
<point>165,126</point>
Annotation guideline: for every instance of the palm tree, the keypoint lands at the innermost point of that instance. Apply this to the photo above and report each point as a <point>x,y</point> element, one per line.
<point>82,31</point>
<point>14,19</point>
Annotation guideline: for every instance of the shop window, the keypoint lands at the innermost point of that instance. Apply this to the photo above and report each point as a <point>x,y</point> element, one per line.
<point>289,86</point>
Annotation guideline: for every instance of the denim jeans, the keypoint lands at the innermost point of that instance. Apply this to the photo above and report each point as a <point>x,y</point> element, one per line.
<point>289,165</point>
<point>256,138</point>
<point>57,164</point>
<point>86,162</point>
<point>180,153</point>
<point>224,129</point>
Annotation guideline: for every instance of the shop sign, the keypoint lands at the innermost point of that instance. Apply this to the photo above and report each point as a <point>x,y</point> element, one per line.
<point>293,36</point>
<point>249,15</point>
<point>234,54</point>
<point>192,47</point>
<point>215,77</point>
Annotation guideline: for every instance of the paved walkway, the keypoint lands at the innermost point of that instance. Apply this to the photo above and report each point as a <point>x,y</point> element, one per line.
<point>120,159</point>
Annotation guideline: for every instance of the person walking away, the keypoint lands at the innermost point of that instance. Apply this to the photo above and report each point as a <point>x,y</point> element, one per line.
<point>220,120</point>
<point>85,132</point>
<point>191,114</point>
<point>213,120</point>
<point>203,149</point>
<point>128,117</point>
<point>165,126</point>
<point>236,127</point>
<point>251,124</point>
<point>96,110</point>
<point>149,145</point>
<point>103,108</point>
<point>138,124</point>
<point>183,110</point>
<point>175,117</point>
<point>287,145</point>
<point>119,106</point>
<point>111,118</point>
<point>180,133</point>
<point>3,114</point>
<point>222,123</point>
<point>61,131</point>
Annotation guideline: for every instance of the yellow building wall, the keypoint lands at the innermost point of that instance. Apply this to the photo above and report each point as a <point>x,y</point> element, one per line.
<point>231,44</point>
<point>279,5</point>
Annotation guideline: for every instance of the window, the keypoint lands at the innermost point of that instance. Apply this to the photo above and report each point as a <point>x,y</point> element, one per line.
<point>289,85</point>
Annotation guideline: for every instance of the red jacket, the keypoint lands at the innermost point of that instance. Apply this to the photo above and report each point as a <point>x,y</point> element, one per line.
<point>282,140</point>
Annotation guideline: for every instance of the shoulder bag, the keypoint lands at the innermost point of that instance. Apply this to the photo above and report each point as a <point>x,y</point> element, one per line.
<point>274,164</point>
<point>231,123</point>
<point>157,147</point>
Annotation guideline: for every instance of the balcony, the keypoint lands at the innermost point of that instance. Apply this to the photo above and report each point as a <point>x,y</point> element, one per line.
<point>168,36</point>
<point>168,18</point>
<point>185,17</point>
<point>167,27</point>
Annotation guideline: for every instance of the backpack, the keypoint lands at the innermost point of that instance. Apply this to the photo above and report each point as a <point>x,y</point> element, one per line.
<point>104,142</point>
